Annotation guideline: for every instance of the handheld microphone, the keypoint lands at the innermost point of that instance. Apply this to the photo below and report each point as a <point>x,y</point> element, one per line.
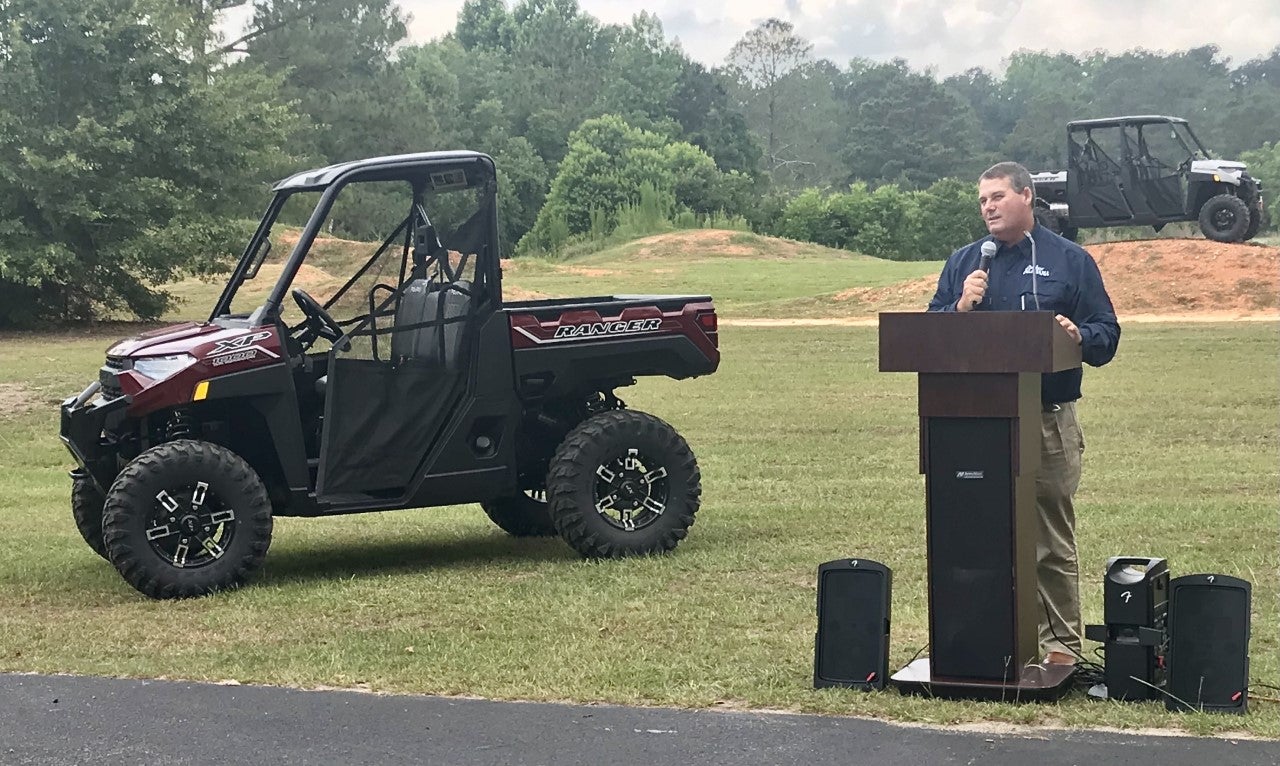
<point>988,252</point>
<point>984,262</point>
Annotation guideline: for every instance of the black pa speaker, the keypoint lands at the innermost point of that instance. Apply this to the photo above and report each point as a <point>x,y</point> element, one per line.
<point>1208,643</point>
<point>973,626</point>
<point>851,648</point>
<point>1135,600</point>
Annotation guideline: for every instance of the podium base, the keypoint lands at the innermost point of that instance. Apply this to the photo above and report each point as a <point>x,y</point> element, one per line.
<point>1039,683</point>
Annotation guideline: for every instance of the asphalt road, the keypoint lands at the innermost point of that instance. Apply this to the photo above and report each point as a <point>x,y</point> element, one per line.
<point>73,720</point>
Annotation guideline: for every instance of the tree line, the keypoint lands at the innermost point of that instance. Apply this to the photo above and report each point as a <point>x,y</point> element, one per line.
<point>136,142</point>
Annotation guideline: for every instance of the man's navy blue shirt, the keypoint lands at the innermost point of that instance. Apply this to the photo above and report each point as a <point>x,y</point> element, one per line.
<point>1067,282</point>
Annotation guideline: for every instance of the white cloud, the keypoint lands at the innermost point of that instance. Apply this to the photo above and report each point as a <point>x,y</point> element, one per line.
<point>948,35</point>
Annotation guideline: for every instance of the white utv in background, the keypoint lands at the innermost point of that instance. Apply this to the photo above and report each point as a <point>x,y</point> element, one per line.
<point>1146,170</point>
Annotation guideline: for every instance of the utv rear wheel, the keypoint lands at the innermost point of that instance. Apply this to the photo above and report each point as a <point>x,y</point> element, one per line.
<point>623,483</point>
<point>522,515</point>
<point>187,518</point>
<point>86,509</point>
<point>1224,218</point>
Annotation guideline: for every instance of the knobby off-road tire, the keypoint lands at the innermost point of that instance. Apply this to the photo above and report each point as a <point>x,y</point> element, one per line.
<point>86,509</point>
<point>187,518</point>
<point>623,483</point>
<point>522,515</point>
<point>1255,222</point>
<point>1046,219</point>
<point>1224,218</point>
<point>1055,224</point>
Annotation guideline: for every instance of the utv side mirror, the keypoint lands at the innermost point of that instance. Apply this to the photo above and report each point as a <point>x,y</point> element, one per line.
<point>258,258</point>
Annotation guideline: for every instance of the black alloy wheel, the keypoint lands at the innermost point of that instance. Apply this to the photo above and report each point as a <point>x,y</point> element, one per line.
<point>628,494</point>
<point>623,483</point>
<point>187,518</point>
<point>192,527</point>
<point>1224,218</point>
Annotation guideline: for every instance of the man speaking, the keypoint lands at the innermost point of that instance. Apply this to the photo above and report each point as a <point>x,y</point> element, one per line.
<point>1025,267</point>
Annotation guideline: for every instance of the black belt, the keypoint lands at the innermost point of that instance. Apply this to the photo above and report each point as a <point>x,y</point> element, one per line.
<point>1050,407</point>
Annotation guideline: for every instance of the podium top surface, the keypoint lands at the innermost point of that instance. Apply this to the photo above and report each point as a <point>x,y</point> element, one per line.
<point>975,341</point>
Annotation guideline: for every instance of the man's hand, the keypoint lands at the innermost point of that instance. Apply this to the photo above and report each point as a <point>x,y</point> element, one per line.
<point>975,287</point>
<point>1070,327</point>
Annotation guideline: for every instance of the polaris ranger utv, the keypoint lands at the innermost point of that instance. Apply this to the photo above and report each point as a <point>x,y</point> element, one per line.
<point>405,381</point>
<point>1146,171</point>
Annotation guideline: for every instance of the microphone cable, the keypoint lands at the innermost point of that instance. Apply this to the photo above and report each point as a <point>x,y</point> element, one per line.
<point>1088,673</point>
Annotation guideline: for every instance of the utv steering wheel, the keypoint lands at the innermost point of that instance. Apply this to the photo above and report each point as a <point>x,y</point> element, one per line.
<point>319,323</point>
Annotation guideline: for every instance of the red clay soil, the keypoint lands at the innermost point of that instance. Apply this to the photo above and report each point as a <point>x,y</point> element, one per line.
<point>1153,278</point>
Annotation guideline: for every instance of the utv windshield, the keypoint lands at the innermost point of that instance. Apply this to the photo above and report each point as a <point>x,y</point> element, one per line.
<point>378,234</point>
<point>1183,133</point>
<point>1159,145</point>
<point>262,267</point>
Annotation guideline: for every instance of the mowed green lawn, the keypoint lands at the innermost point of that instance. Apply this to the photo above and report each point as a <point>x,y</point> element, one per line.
<point>748,274</point>
<point>807,454</point>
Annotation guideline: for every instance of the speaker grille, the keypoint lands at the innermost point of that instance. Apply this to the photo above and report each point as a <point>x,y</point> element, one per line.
<point>970,549</point>
<point>851,647</point>
<point>1209,642</point>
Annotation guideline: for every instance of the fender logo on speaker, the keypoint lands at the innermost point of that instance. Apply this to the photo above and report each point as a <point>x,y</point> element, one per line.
<point>970,474</point>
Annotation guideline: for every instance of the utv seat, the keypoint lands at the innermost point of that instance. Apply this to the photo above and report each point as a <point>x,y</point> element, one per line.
<point>434,318</point>
<point>438,344</point>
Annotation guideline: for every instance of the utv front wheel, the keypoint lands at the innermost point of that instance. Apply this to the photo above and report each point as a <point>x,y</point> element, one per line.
<point>623,483</point>
<point>187,518</point>
<point>1255,222</point>
<point>1047,219</point>
<point>522,515</point>
<point>1224,218</point>
<point>86,509</point>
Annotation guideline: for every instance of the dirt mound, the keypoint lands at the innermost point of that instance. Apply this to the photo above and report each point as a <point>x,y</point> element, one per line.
<point>904,296</point>
<point>519,294</point>
<point>1173,276</point>
<point>319,283</point>
<point>723,243</point>
<point>1147,277</point>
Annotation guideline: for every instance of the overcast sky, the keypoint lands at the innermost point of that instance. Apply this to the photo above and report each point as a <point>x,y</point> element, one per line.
<point>948,35</point>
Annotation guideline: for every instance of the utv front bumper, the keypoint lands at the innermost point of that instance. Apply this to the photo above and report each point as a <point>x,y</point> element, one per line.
<point>87,422</point>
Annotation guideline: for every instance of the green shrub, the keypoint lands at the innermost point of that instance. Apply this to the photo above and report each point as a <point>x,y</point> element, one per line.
<point>615,175</point>
<point>1264,165</point>
<point>888,222</point>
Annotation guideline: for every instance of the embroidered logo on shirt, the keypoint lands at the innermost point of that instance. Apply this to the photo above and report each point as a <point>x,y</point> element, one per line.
<point>1040,271</point>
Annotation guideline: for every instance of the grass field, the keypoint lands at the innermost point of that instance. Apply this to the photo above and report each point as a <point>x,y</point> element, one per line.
<point>750,275</point>
<point>753,276</point>
<point>808,454</point>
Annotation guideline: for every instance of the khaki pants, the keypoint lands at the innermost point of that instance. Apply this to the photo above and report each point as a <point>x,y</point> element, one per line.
<point>1058,570</point>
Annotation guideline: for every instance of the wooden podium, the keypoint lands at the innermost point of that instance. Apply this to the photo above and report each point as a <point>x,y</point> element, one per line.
<point>979,378</point>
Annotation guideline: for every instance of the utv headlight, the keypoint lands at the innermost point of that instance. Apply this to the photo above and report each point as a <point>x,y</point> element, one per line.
<point>161,367</point>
